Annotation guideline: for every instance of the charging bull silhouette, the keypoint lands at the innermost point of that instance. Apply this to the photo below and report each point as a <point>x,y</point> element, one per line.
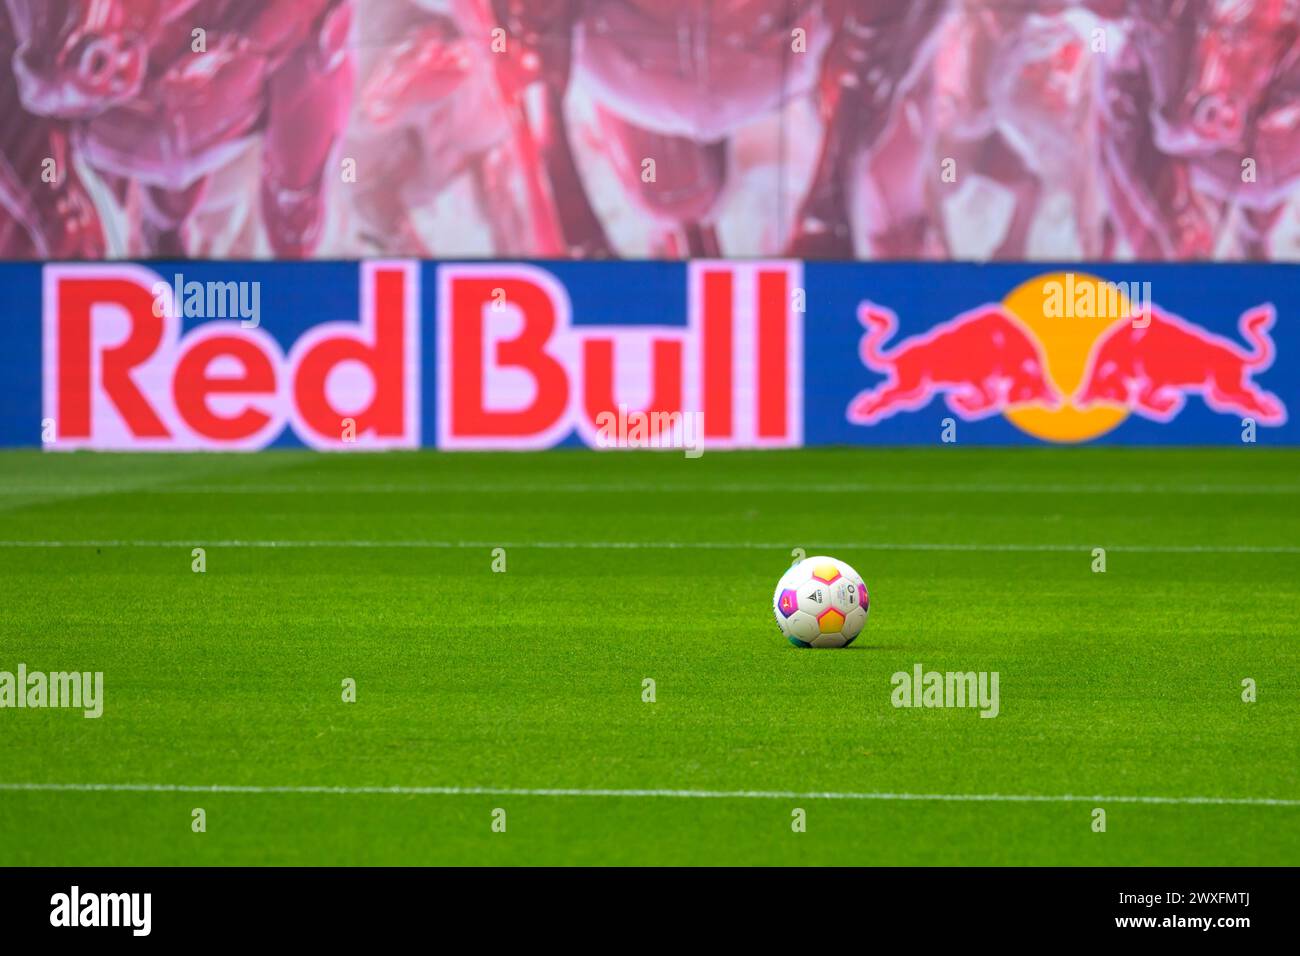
<point>984,362</point>
<point>1152,369</point>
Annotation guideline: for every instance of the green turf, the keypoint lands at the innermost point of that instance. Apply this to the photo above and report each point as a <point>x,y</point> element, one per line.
<point>1122,683</point>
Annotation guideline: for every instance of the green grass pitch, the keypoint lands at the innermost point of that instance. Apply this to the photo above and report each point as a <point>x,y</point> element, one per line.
<point>1126,683</point>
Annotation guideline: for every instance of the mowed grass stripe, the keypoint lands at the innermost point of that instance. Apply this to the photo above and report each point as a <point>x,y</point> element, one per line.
<point>662,545</point>
<point>615,486</point>
<point>643,793</point>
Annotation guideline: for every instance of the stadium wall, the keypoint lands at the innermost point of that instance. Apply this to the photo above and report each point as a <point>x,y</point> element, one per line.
<point>500,355</point>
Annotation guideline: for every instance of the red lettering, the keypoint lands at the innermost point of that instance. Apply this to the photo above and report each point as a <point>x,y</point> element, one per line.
<point>717,383</point>
<point>773,306</point>
<point>192,386</point>
<point>469,415</point>
<point>383,359</point>
<point>598,388</point>
<point>75,345</point>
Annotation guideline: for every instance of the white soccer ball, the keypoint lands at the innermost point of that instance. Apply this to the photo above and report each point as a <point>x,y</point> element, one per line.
<point>821,602</point>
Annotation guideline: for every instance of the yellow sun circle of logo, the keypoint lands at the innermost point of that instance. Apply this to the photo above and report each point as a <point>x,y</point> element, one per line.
<point>1067,313</point>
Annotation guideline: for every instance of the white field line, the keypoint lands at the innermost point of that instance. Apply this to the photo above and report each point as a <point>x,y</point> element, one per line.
<point>654,545</point>
<point>671,794</point>
<point>613,486</point>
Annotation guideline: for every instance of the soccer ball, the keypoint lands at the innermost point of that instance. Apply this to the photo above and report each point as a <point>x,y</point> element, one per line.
<point>821,602</point>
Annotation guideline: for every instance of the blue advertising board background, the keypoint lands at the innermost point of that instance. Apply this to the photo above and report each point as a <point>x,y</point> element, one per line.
<point>296,296</point>
<point>1213,296</point>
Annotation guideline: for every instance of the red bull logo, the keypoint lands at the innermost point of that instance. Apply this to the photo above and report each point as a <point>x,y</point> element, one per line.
<point>707,355</point>
<point>128,364</point>
<point>1067,379</point>
<point>121,373</point>
<point>515,372</point>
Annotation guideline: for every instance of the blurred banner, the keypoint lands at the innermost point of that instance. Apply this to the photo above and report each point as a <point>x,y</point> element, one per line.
<point>705,354</point>
<point>1045,130</point>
